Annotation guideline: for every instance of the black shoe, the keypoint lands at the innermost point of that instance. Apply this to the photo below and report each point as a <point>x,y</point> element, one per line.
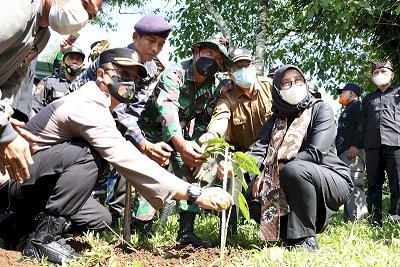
<point>47,241</point>
<point>194,240</point>
<point>309,244</point>
<point>57,251</point>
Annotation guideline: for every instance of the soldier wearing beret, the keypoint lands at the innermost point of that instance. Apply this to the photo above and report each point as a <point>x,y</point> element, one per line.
<point>382,140</point>
<point>149,38</point>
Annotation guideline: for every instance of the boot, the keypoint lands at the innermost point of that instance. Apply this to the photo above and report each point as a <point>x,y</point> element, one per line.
<point>47,240</point>
<point>186,235</point>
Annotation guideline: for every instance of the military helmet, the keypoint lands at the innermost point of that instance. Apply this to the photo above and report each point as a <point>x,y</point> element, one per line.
<point>73,49</point>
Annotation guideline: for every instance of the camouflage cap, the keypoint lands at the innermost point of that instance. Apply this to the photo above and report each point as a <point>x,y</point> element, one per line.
<point>222,49</point>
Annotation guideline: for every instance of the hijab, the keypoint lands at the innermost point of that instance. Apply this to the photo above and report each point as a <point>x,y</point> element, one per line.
<point>280,107</point>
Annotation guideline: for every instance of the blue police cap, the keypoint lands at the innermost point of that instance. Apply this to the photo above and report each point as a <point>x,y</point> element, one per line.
<point>152,24</point>
<point>352,87</point>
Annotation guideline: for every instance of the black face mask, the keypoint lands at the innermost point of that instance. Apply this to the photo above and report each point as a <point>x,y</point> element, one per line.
<point>206,66</point>
<point>122,95</point>
<point>72,70</point>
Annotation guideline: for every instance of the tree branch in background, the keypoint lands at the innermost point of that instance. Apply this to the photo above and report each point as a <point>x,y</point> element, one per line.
<point>261,38</point>
<point>219,20</point>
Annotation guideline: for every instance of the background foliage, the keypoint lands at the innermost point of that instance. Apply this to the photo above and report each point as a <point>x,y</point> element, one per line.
<point>334,41</point>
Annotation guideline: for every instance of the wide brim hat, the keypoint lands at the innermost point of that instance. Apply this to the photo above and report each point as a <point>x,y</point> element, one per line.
<point>228,63</point>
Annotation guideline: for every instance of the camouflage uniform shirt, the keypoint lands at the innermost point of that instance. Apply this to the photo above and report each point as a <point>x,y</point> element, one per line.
<point>176,102</point>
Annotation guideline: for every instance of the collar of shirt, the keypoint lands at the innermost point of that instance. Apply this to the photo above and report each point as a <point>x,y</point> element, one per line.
<point>239,92</point>
<point>390,88</point>
<point>61,76</point>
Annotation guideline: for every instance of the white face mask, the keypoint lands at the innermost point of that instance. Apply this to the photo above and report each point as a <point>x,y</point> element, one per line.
<point>382,79</point>
<point>245,77</point>
<point>294,94</point>
<point>69,18</point>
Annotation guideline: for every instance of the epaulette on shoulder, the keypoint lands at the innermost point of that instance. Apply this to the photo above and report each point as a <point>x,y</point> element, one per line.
<point>264,79</point>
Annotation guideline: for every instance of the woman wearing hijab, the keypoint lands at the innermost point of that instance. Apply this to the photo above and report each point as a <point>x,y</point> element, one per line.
<point>303,183</point>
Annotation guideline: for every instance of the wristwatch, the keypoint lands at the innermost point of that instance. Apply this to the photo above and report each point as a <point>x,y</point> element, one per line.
<point>194,191</point>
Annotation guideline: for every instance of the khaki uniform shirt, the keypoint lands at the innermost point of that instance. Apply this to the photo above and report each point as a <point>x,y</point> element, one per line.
<point>21,40</point>
<point>246,114</point>
<point>85,115</point>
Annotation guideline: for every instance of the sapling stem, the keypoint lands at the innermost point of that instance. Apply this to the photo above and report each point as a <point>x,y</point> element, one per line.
<point>224,186</point>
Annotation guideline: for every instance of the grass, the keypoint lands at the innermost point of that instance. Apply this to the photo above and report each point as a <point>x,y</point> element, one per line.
<point>342,244</point>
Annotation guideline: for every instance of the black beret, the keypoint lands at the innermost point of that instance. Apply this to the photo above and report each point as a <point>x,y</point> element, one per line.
<point>124,57</point>
<point>152,24</point>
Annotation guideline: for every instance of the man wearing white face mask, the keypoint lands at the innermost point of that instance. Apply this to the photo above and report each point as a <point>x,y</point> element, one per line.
<point>244,105</point>
<point>24,37</point>
<point>240,112</point>
<point>382,141</point>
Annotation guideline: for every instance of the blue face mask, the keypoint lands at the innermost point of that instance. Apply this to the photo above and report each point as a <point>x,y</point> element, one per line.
<point>245,77</point>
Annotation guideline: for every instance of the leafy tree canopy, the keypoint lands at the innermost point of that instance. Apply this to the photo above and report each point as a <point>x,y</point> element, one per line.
<point>334,41</point>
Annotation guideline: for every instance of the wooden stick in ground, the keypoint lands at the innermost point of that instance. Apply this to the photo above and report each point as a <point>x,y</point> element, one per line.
<point>128,213</point>
<point>223,219</point>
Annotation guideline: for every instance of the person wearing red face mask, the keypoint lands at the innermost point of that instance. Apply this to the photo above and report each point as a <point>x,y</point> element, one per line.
<point>350,149</point>
<point>382,140</point>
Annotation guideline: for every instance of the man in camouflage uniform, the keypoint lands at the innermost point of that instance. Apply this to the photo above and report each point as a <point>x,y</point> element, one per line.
<point>179,112</point>
<point>241,110</point>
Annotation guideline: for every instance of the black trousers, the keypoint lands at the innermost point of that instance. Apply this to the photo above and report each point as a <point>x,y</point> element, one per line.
<point>379,160</point>
<point>314,194</point>
<point>62,179</point>
<point>117,201</point>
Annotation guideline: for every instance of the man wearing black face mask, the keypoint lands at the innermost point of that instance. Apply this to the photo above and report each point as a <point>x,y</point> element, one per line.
<point>76,133</point>
<point>58,85</point>
<point>186,92</point>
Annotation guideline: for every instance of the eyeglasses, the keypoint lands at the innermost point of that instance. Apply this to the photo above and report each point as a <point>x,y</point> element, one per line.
<point>124,74</point>
<point>288,84</point>
<point>241,66</point>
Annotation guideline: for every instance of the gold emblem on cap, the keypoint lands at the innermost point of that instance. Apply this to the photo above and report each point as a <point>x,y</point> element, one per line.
<point>135,56</point>
<point>238,51</point>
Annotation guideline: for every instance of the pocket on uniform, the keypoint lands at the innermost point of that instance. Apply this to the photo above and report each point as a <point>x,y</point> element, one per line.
<point>238,124</point>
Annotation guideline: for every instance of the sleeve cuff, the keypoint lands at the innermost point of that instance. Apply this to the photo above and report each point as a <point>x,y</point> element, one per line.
<point>7,134</point>
<point>134,137</point>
